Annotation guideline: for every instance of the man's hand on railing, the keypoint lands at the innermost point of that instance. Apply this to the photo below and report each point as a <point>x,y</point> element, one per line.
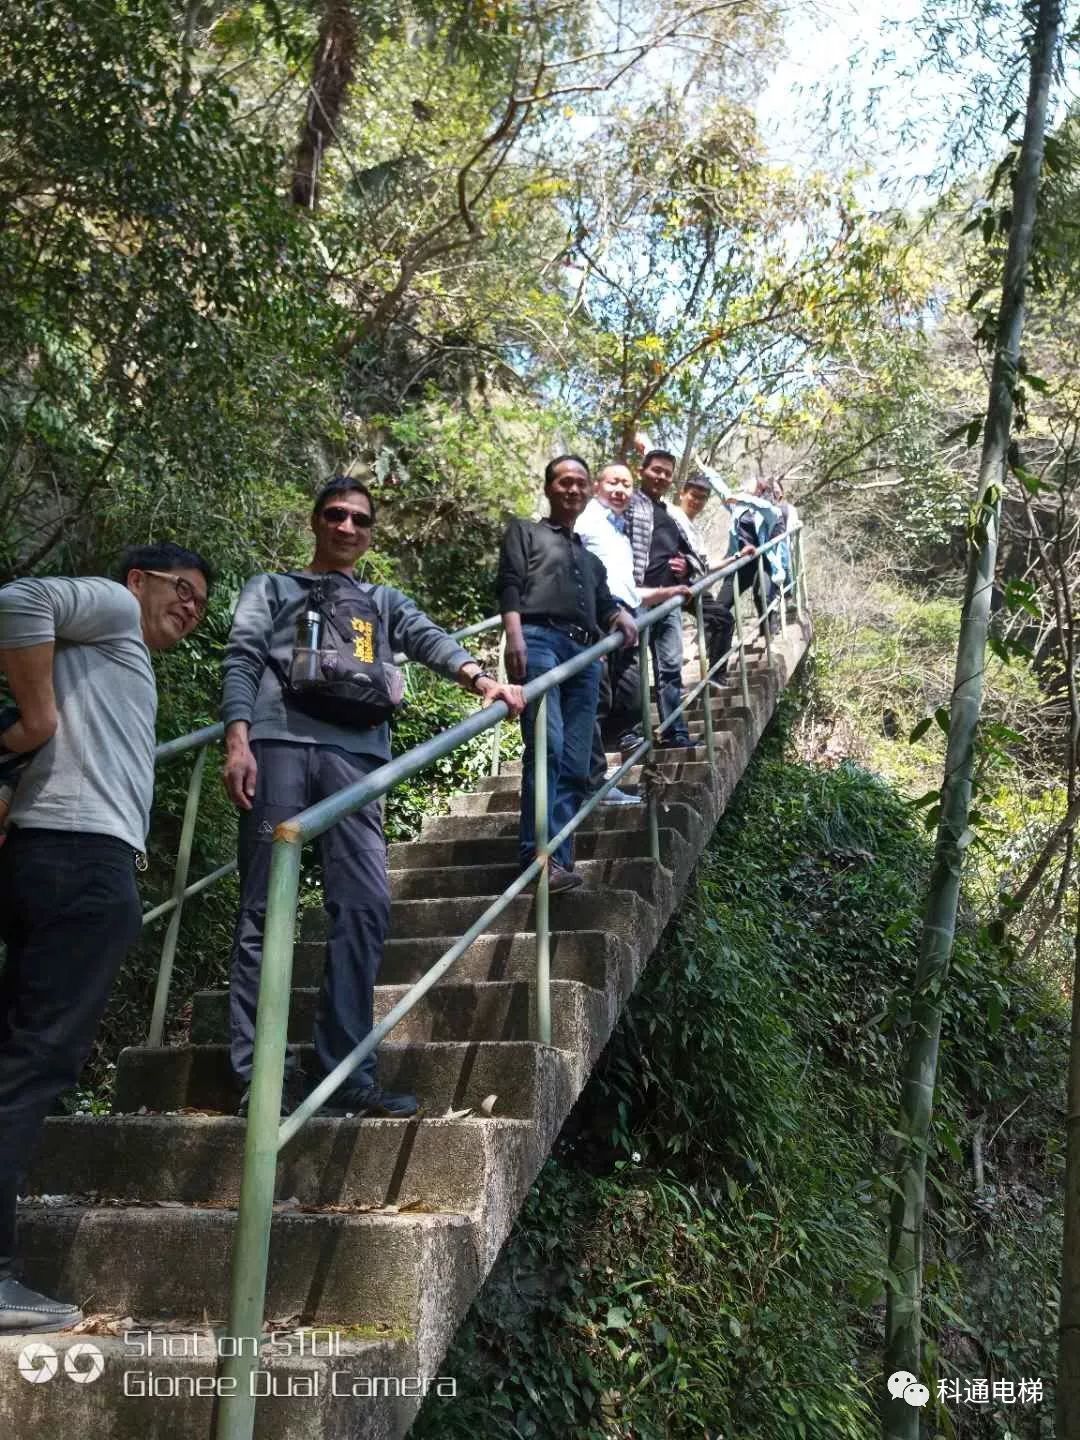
<point>516,651</point>
<point>492,690</point>
<point>624,621</point>
<point>240,770</point>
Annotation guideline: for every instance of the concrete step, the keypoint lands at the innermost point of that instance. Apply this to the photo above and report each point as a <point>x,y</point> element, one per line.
<point>472,880</point>
<point>312,1395</point>
<point>445,1164</point>
<point>582,955</point>
<point>497,851</point>
<point>445,1075</point>
<point>692,772</point>
<point>173,1261</point>
<point>489,802</point>
<point>621,911</point>
<point>666,757</point>
<point>456,1010</point>
<point>678,815</point>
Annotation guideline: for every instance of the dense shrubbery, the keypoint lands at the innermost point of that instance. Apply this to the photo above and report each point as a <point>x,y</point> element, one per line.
<point>703,1255</point>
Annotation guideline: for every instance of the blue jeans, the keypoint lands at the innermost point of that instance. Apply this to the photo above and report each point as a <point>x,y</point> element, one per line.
<point>571,715</point>
<point>666,644</point>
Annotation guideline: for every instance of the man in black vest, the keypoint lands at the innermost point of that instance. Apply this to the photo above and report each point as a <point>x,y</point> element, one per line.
<point>659,561</point>
<point>279,760</point>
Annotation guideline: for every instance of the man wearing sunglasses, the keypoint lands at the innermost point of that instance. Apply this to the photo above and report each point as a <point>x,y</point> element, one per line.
<point>280,759</point>
<point>76,656</point>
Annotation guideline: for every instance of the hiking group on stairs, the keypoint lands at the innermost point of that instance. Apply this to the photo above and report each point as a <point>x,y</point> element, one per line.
<point>309,689</point>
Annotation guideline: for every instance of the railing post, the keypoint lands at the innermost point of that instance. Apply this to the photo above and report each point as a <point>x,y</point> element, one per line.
<point>172,934</point>
<point>766,619</point>
<point>785,586</point>
<point>646,732</point>
<point>703,670</point>
<point>496,732</point>
<point>736,605</point>
<point>543,889</point>
<point>251,1244</point>
<point>800,581</point>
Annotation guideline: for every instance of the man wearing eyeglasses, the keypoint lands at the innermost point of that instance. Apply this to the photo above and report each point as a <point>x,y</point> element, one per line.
<point>280,759</point>
<point>76,655</point>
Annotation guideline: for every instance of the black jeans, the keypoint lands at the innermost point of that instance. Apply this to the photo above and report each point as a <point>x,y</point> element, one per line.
<point>618,710</point>
<point>719,612</point>
<point>69,913</point>
<point>356,893</point>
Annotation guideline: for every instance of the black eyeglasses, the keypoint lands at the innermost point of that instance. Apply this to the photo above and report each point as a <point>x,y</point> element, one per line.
<point>185,591</point>
<point>338,514</point>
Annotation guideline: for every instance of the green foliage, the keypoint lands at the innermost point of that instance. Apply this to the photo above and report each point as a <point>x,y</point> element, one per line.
<point>455,477</point>
<point>702,1256</point>
<point>156,325</point>
<point>435,705</point>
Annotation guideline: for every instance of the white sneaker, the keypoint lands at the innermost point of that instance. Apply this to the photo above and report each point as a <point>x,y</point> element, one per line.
<point>615,796</point>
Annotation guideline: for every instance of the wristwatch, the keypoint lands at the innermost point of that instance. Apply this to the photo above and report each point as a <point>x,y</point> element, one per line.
<point>481,675</point>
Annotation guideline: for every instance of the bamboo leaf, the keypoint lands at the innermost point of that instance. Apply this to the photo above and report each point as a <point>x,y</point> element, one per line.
<point>932,796</point>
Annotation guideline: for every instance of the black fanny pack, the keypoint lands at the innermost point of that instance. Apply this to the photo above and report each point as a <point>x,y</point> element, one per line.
<point>342,668</point>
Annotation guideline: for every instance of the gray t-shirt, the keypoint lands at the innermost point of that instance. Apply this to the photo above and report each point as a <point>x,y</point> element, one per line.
<point>96,774</point>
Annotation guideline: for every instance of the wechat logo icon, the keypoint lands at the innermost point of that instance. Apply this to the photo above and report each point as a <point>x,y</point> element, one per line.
<point>905,1386</point>
<point>37,1362</point>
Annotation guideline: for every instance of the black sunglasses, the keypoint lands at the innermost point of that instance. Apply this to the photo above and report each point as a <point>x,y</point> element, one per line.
<point>338,514</point>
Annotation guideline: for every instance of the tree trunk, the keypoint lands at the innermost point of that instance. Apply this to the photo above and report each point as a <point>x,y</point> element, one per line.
<point>903,1338</point>
<point>331,76</point>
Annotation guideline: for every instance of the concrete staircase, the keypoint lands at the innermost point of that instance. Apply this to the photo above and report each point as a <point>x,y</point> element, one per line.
<point>385,1229</point>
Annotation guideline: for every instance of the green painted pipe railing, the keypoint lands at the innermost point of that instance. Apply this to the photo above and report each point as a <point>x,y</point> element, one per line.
<point>266,1133</point>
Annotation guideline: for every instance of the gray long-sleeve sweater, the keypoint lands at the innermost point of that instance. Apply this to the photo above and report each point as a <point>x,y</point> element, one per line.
<point>265,624</point>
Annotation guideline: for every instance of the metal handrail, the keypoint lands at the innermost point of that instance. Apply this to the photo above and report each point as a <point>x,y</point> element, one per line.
<point>200,740</point>
<point>266,1134</point>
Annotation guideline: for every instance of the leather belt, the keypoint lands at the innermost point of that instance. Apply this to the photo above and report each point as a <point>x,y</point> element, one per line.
<point>577,633</point>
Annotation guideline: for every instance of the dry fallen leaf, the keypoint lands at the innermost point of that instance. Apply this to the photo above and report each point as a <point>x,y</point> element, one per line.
<point>487,1105</point>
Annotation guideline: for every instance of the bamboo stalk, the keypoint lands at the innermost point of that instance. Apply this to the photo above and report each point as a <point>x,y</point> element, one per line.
<point>903,1320</point>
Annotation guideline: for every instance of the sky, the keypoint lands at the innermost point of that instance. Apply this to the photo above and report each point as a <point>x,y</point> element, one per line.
<point>821,38</point>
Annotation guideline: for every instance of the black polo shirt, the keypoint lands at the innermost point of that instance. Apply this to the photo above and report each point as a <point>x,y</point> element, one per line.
<point>667,540</point>
<point>546,572</point>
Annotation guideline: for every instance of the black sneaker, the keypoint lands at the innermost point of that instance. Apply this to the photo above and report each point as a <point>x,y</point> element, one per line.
<point>295,1089</point>
<point>372,1101</point>
<point>23,1310</point>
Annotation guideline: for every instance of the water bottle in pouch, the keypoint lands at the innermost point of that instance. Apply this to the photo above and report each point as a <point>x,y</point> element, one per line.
<point>306,661</point>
